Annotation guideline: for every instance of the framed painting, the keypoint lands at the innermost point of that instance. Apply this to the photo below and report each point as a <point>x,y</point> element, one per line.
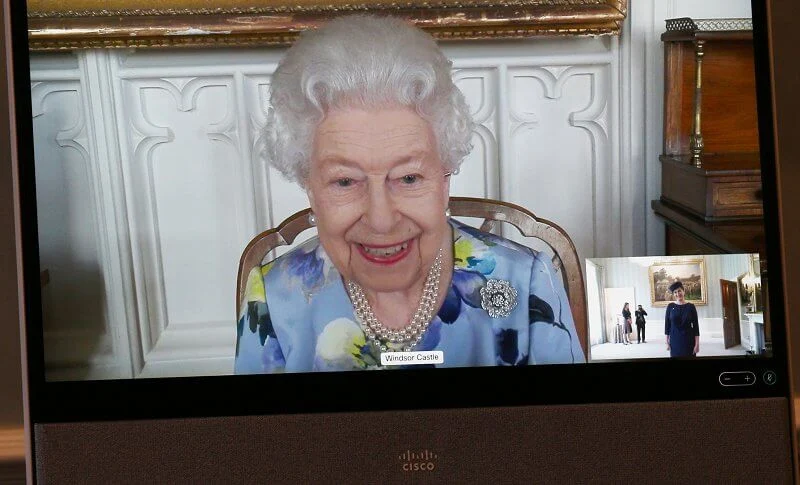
<point>690,272</point>
<point>750,287</point>
<point>750,294</point>
<point>83,24</point>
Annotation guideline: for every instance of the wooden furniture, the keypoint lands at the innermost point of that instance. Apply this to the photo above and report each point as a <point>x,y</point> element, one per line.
<point>711,191</point>
<point>12,455</point>
<point>565,257</point>
<point>711,197</point>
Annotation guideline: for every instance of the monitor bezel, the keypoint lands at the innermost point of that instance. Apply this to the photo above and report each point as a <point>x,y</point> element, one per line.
<point>656,380</point>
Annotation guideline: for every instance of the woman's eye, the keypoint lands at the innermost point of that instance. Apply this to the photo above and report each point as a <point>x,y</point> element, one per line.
<point>344,182</point>
<point>410,179</point>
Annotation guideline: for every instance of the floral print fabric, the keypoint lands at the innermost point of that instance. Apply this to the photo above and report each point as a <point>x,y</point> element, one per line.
<point>296,316</point>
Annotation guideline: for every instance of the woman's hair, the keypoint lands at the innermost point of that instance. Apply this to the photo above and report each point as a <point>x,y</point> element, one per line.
<point>362,61</point>
<point>675,286</point>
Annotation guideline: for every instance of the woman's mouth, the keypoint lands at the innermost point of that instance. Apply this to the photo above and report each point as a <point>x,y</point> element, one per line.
<point>385,254</point>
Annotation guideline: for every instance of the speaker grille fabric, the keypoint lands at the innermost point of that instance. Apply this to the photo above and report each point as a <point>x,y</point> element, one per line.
<point>742,441</point>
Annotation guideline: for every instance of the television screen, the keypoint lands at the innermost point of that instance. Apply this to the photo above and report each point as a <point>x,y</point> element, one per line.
<point>221,218</point>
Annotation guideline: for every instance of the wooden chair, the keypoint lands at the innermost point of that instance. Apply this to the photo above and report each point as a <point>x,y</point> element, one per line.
<point>565,257</point>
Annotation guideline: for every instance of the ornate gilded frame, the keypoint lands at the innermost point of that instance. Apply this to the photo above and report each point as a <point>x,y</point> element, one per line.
<point>83,24</point>
<point>662,302</point>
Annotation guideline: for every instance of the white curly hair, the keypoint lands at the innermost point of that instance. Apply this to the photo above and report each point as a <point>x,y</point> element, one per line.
<point>367,62</point>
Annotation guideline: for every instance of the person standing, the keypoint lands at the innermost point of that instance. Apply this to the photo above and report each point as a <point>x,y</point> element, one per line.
<point>640,323</point>
<point>681,325</point>
<point>628,329</point>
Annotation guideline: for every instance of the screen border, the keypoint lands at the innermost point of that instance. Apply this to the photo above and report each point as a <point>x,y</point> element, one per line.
<point>655,380</point>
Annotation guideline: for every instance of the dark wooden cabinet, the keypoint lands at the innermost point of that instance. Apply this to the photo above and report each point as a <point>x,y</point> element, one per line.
<point>711,192</point>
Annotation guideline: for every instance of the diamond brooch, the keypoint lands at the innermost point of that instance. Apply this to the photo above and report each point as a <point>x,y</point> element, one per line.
<point>498,298</point>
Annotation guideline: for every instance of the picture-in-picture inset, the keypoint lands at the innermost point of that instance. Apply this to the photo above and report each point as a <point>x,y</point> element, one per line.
<point>676,307</point>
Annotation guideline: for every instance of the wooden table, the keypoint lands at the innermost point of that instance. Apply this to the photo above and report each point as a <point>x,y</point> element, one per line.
<point>12,455</point>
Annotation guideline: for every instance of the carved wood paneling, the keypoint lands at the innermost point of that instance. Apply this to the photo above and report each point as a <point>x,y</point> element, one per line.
<point>479,176</point>
<point>552,161</point>
<point>191,194</point>
<point>183,142</point>
<point>83,336</point>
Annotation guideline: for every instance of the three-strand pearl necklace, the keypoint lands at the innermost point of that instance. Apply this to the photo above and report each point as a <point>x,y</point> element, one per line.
<point>405,338</point>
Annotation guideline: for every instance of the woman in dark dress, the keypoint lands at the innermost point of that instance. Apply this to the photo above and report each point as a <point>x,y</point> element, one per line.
<point>626,314</point>
<point>681,325</point>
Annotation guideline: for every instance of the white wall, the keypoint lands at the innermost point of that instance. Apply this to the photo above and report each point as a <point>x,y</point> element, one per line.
<point>594,312</point>
<point>150,181</point>
<point>634,272</point>
<point>710,9</point>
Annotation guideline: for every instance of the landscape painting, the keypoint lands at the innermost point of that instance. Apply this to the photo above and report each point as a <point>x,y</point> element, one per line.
<point>689,272</point>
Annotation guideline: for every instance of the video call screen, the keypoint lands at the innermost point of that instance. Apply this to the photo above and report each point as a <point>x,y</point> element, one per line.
<point>152,178</point>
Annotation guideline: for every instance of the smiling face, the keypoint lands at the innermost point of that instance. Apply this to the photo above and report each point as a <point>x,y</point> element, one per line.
<point>679,294</point>
<point>379,191</point>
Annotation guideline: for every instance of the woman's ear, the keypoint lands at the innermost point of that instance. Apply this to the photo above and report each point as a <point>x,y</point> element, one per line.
<point>306,185</point>
<point>311,200</point>
<point>446,189</point>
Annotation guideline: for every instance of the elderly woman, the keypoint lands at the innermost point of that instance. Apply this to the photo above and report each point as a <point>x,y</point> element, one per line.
<point>366,118</point>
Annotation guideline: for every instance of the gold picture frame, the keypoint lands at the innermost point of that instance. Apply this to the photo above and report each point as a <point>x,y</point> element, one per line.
<point>691,272</point>
<point>750,296</point>
<point>750,293</point>
<point>85,24</point>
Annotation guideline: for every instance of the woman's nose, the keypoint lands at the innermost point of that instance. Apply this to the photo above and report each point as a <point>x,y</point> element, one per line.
<point>381,213</point>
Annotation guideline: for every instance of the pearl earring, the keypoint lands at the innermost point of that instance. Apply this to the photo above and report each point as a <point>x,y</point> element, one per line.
<point>312,219</point>
<point>447,212</point>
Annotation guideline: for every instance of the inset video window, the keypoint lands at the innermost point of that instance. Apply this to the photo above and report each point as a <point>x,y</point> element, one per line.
<point>676,307</point>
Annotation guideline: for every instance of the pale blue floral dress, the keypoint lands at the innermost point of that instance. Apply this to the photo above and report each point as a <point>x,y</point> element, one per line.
<point>296,316</point>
